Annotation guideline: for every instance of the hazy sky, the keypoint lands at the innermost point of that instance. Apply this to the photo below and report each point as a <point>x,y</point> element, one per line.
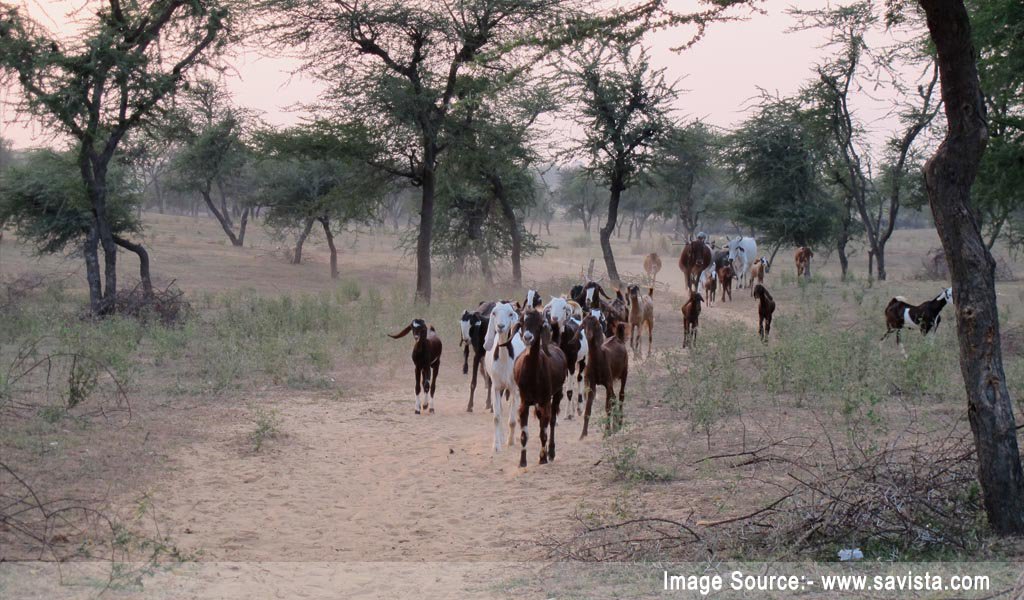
<point>720,74</point>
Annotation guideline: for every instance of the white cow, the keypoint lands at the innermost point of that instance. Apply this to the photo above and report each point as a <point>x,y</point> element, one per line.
<point>742,252</point>
<point>564,313</point>
<point>499,362</point>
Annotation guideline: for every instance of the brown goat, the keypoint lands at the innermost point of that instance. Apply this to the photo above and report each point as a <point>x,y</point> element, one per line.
<point>757,273</point>
<point>641,312</point>
<point>691,318</point>
<point>607,364</point>
<point>652,265</point>
<point>725,277</point>
<point>710,285</point>
<point>765,310</point>
<point>426,357</point>
<point>803,262</point>
<point>540,373</point>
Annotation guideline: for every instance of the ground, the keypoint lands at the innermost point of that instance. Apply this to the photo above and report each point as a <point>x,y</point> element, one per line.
<point>354,494</point>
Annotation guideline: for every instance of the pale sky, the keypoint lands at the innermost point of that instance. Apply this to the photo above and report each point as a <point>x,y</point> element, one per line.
<point>721,74</point>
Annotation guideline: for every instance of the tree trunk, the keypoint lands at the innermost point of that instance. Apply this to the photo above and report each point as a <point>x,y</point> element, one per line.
<point>880,261</point>
<point>608,229</point>
<point>844,261</point>
<point>948,178</point>
<point>426,230</point>
<point>513,225</point>
<point>144,275</point>
<point>326,222</point>
<point>90,249</point>
<point>297,255</point>
<point>222,218</point>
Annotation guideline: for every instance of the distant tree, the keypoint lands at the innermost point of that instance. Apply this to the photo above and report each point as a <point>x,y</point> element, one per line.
<point>877,201</point>
<point>6,154</point>
<point>310,175</point>
<point>776,158</point>
<point>580,196</point>
<point>212,152</point>
<point>100,87</point>
<point>44,200</point>
<point>404,66</point>
<point>685,162</point>
<point>623,105</point>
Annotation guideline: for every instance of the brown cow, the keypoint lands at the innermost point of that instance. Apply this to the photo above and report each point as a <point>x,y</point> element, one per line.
<point>695,257</point>
<point>803,262</point>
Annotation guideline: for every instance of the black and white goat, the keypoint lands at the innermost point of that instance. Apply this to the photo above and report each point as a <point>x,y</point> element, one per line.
<point>426,359</point>
<point>474,331</point>
<point>900,314</point>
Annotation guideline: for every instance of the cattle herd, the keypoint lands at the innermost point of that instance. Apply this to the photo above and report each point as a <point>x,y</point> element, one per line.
<point>532,354</point>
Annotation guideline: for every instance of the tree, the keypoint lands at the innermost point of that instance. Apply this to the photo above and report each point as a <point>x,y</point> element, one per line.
<point>623,111</point>
<point>686,160</point>
<point>6,154</point>
<point>404,65</point>
<point>101,87</point>
<point>851,160</point>
<point>948,178</point>
<point>998,191</point>
<point>578,194</point>
<point>310,174</point>
<point>44,200</point>
<point>212,152</point>
<point>776,156</point>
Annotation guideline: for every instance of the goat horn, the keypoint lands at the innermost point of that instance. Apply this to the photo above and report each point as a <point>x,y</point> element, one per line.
<point>401,333</point>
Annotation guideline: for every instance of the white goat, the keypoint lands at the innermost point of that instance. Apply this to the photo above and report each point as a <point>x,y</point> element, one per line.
<point>499,363</point>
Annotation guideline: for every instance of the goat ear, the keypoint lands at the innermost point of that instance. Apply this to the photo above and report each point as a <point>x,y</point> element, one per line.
<point>600,290</point>
<point>401,333</point>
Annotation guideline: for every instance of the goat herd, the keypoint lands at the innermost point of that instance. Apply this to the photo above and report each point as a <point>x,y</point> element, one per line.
<point>533,353</point>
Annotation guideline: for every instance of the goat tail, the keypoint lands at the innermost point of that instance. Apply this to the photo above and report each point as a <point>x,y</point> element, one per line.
<point>402,333</point>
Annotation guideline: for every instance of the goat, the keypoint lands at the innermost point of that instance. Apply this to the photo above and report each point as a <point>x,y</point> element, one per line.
<point>708,283</point>
<point>765,310</point>
<point>540,376</point>
<point>587,295</point>
<point>691,317</point>
<point>615,312</point>
<point>607,365</point>
<point>926,316</point>
<point>652,265</point>
<point>474,329</point>
<point>725,276</point>
<point>498,364</point>
<point>533,300</point>
<point>803,262</point>
<point>426,357</point>
<point>757,273</point>
<point>562,314</point>
<point>641,312</point>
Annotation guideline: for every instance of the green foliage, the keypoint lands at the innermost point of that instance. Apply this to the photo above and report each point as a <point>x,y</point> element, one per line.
<point>998,191</point>
<point>629,465</point>
<point>580,196</point>
<point>44,199</point>
<point>266,425</point>
<point>776,156</point>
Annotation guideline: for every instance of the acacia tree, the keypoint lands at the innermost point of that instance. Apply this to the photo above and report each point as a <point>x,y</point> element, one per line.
<point>309,175</point>
<point>876,200</point>
<point>100,87</point>
<point>685,160</point>
<point>998,191</point>
<point>948,178</point>
<point>776,160</point>
<point>623,106</point>
<point>400,66</point>
<point>578,194</point>
<point>212,153</point>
